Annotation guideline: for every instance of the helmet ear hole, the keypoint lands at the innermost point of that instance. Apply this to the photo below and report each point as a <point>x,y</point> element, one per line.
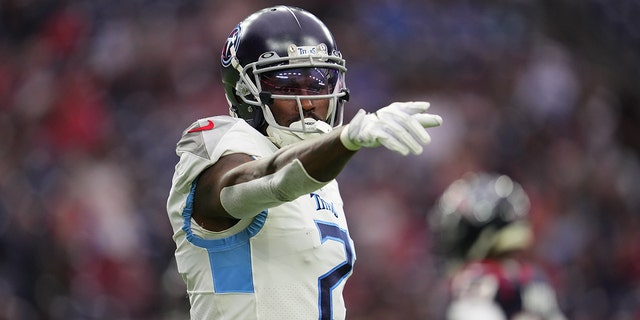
<point>242,89</point>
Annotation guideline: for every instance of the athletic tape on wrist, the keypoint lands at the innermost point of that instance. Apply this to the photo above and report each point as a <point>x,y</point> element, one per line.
<point>247,199</point>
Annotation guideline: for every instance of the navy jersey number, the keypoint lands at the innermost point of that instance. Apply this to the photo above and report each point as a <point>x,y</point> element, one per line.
<point>328,281</point>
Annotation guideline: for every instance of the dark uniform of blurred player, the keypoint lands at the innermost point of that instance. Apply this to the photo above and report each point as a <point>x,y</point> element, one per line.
<point>256,212</point>
<point>482,230</point>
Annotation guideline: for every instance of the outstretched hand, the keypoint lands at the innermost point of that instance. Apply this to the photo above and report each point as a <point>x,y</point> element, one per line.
<point>399,127</point>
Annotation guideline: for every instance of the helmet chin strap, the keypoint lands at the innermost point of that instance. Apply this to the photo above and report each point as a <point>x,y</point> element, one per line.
<point>283,137</point>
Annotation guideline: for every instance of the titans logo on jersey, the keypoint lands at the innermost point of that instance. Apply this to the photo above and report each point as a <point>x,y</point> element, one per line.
<point>322,204</point>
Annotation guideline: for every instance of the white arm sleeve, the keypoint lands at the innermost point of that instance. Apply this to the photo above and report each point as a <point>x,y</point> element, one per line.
<point>247,199</point>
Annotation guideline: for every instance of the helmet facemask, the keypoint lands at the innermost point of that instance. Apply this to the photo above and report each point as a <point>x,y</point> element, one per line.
<point>307,73</point>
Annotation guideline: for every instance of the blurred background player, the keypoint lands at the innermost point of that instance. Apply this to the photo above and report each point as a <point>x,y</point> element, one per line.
<point>482,231</point>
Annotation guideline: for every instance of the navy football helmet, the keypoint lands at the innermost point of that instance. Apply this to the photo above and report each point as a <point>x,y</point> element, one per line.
<point>480,215</point>
<point>271,50</point>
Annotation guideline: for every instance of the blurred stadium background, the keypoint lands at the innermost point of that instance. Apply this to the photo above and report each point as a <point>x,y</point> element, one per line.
<point>95,93</point>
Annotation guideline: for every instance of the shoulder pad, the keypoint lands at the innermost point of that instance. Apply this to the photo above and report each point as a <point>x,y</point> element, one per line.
<point>207,129</point>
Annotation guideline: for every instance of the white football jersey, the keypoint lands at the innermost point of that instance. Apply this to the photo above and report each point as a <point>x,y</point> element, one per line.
<point>288,262</point>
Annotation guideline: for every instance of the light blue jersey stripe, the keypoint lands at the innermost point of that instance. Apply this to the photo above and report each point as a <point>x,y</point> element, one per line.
<point>230,257</point>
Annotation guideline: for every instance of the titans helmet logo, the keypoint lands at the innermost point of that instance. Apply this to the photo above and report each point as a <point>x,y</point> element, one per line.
<point>230,47</point>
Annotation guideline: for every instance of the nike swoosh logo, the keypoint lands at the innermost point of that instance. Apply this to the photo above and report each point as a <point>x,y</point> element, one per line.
<point>209,126</point>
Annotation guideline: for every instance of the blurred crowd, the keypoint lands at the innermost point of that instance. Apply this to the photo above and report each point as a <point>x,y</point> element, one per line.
<point>94,94</point>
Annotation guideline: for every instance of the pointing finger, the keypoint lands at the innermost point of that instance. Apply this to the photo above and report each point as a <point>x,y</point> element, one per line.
<point>428,120</point>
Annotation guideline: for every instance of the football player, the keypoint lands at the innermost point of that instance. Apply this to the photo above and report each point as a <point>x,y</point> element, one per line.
<point>256,212</point>
<point>481,227</point>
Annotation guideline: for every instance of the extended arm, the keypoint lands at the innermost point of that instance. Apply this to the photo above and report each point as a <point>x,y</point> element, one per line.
<point>251,185</point>
<point>238,187</point>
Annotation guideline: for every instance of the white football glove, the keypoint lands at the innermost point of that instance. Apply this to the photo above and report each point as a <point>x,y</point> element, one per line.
<point>399,127</point>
